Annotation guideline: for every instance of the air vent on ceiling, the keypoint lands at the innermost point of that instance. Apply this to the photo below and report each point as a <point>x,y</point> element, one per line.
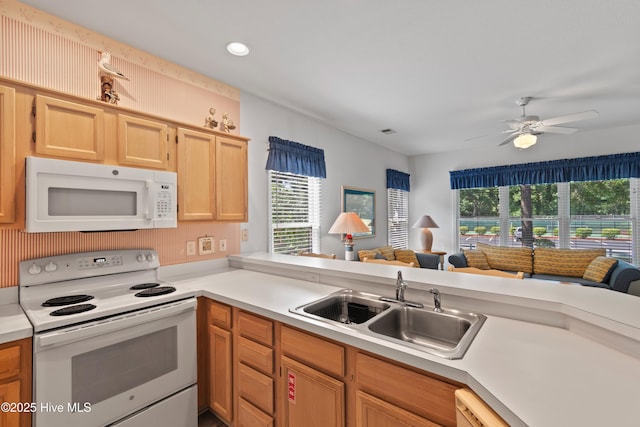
<point>388,131</point>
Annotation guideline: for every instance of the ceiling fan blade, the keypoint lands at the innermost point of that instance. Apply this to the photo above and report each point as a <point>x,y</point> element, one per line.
<point>570,118</point>
<point>556,129</point>
<point>508,139</point>
<point>489,134</point>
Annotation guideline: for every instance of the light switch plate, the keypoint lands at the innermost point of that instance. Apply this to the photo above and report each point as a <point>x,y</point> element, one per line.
<point>206,245</point>
<point>191,248</point>
<point>223,245</point>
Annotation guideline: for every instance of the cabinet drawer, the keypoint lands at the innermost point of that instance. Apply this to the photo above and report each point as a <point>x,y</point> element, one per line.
<point>250,416</point>
<point>314,351</point>
<point>430,398</point>
<point>255,355</point>
<point>10,361</point>
<point>256,388</point>
<point>220,314</point>
<point>255,328</point>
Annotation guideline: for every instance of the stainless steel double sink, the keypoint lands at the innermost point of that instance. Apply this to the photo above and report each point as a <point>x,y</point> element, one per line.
<point>447,334</point>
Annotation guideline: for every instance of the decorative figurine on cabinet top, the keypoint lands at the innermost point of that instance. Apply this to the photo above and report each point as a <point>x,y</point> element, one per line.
<point>106,73</point>
<point>209,121</point>
<point>226,125</point>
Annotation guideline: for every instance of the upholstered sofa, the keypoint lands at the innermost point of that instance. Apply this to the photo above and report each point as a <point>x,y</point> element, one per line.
<point>419,260</point>
<point>588,267</point>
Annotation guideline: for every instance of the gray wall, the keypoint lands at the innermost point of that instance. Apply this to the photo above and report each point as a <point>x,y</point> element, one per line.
<point>350,161</point>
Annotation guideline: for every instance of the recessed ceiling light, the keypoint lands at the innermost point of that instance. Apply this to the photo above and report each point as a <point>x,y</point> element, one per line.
<point>238,49</point>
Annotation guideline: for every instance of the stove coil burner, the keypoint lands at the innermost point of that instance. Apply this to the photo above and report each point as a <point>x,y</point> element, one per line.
<point>67,300</point>
<point>144,286</point>
<point>155,291</point>
<point>72,309</point>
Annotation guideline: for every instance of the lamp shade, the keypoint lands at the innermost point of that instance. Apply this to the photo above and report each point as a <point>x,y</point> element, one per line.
<point>425,221</point>
<point>525,140</point>
<point>348,223</point>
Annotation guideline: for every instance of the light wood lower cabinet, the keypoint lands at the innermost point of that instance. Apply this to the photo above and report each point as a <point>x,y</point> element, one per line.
<point>409,389</point>
<point>220,361</point>
<point>471,411</point>
<point>374,412</point>
<point>262,373</point>
<point>313,399</point>
<point>15,381</point>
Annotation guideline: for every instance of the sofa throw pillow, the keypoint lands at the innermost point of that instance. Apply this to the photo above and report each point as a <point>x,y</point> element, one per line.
<point>476,258</point>
<point>387,252</point>
<point>379,256</point>
<point>564,262</point>
<point>367,253</point>
<point>599,270</point>
<point>508,259</point>
<point>407,255</point>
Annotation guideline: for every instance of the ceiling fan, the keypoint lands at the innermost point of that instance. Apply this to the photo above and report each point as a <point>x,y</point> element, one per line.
<point>525,129</point>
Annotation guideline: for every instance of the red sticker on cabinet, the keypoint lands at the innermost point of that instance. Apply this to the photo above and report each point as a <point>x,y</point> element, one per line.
<point>291,381</point>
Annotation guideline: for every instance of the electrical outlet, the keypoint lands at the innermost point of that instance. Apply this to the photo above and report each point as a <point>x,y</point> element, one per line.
<point>223,245</point>
<point>245,234</point>
<point>207,245</point>
<point>191,248</point>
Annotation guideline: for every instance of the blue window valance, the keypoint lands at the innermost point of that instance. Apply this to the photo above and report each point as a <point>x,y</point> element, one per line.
<point>597,168</point>
<point>398,180</point>
<point>293,157</point>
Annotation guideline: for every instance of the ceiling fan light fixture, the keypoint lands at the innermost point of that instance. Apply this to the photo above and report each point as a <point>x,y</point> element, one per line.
<point>237,49</point>
<point>525,140</point>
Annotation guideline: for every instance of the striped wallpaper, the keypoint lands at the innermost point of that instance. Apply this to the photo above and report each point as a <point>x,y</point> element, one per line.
<point>40,49</point>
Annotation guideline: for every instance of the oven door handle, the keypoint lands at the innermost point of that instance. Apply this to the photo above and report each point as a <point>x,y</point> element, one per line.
<point>111,324</point>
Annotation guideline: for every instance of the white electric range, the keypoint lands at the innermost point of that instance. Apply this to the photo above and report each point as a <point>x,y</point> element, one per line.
<point>113,345</point>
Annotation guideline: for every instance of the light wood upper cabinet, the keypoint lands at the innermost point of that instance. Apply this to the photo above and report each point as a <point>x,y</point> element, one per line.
<point>69,129</point>
<point>7,154</point>
<point>231,180</point>
<point>142,142</point>
<point>196,175</point>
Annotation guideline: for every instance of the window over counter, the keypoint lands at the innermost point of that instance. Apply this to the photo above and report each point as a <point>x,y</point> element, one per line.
<point>294,215</point>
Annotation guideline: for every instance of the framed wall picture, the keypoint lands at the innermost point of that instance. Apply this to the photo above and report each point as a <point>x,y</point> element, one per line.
<point>362,202</point>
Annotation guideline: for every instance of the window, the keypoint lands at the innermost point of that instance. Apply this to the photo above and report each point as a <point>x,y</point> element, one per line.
<point>295,213</point>
<point>398,218</point>
<point>577,215</point>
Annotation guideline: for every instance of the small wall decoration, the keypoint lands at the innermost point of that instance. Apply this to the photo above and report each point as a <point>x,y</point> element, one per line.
<point>209,121</point>
<point>362,202</point>
<point>106,73</point>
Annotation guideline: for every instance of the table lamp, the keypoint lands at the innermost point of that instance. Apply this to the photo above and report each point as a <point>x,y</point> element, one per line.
<point>426,238</point>
<point>348,223</point>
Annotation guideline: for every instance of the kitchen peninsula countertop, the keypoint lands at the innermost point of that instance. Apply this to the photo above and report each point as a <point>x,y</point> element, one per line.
<point>548,355</point>
<point>538,360</point>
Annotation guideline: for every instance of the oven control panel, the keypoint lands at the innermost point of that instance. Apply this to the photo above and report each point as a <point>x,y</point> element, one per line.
<point>86,264</point>
<point>99,262</point>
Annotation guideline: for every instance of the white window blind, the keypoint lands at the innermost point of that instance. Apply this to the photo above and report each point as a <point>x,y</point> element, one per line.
<point>398,218</point>
<point>295,213</point>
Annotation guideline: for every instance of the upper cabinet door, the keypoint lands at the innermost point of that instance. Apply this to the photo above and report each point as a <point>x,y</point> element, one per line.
<point>142,142</point>
<point>7,154</point>
<point>67,129</point>
<point>196,175</point>
<point>231,180</point>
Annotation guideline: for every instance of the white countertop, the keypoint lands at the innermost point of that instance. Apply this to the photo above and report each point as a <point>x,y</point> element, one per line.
<point>548,354</point>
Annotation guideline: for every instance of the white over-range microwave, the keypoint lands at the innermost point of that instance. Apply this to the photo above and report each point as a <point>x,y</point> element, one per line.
<point>64,195</point>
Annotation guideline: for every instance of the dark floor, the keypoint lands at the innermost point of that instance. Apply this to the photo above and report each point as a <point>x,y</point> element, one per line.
<point>207,419</point>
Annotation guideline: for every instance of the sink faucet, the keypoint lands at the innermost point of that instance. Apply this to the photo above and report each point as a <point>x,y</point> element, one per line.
<point>401,286</point>
<point>436,300</point>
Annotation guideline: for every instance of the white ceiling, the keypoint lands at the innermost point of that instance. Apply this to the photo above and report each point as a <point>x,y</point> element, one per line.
<point>438,72</point>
